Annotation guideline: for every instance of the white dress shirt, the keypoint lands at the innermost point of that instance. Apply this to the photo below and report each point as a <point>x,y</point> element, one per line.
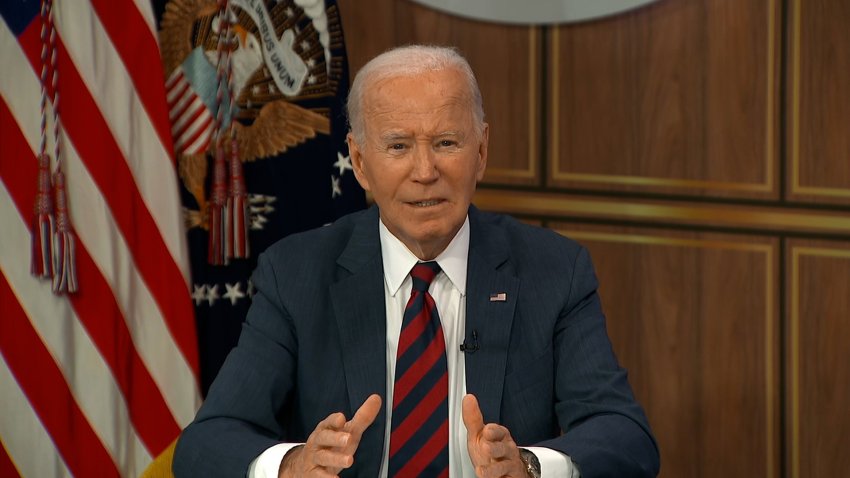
<point>449,292</point>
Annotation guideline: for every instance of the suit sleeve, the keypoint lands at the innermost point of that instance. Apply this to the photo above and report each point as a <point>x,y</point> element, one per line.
<point>605,431</point>
<point>237,421</point>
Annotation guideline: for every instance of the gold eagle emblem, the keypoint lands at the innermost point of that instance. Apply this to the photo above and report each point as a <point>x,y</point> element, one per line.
<point>267,120</point>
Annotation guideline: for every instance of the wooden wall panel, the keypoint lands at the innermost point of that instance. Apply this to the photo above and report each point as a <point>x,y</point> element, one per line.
<point>819,301</point>
<point>820,101</point>
<point>676,97</point>
<point>694,317</point>
<point>369,27</point>
<point>506,60</point>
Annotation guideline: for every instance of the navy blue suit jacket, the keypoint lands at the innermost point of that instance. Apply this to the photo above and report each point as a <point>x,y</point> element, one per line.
<point>314,343</point>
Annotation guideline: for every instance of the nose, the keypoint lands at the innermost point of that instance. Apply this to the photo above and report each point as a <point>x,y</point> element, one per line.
<point>424,164</point>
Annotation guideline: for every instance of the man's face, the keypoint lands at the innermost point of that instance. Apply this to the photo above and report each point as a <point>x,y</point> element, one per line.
<point>421,158</point>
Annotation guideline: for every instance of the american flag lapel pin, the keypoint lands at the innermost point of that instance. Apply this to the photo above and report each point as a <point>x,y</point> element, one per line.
<point>498,297</point>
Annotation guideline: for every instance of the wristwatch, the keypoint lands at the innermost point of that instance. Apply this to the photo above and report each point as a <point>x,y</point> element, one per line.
<point>532,464</point>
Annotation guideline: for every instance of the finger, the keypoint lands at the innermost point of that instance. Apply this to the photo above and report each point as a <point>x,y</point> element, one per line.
<point>472,418</point>
<point>494,432</point>
<point>334,421</point>
<point>332,458</point>
<point>330,437</point>
<point>324,430</point>
<point>365,415</point>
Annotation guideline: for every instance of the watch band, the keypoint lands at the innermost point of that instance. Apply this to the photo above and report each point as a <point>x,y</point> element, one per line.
<point>532,463</point>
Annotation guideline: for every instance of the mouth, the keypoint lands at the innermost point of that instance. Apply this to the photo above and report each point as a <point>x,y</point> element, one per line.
<point>426,203</point>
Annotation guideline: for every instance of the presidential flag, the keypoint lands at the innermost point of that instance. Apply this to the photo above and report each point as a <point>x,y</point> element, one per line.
<point>100,381</point>
<point>284,107</point>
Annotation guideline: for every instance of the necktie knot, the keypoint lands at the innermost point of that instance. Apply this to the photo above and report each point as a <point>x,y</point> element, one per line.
<point>423,273</point>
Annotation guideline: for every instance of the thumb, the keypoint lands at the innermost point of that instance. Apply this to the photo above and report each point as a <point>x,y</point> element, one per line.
<point>472,418</point>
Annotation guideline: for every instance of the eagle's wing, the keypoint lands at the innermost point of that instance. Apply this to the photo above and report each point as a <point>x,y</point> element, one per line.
<point>278,127</point>
<point>175,31</point>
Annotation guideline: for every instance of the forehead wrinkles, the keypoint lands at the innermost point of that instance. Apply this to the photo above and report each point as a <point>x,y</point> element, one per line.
<point>409,116</point>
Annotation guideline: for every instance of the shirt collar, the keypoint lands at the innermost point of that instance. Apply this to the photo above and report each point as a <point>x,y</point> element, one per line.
<point>398,260</point>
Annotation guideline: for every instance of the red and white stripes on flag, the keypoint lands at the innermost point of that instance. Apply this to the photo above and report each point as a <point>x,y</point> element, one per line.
<point>100,382</point>
<point>191,120</point>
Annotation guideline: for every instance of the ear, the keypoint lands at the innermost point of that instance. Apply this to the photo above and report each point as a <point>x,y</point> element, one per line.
<point>482,152</point>
<point>357,162</point>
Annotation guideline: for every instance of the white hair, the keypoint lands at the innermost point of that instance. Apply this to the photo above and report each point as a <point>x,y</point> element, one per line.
<point>409,61</point>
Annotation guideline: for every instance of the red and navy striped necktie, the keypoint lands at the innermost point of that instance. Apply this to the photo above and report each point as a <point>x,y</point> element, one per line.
<point>419,441</point>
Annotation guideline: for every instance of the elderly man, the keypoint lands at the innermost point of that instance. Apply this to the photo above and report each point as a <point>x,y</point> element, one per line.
<point>421,337</point>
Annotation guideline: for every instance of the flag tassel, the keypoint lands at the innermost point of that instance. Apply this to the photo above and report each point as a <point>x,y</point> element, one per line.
<point>237,208</point>
<point>64,254</point>
<point>218,211</point>
<point>44,225</point>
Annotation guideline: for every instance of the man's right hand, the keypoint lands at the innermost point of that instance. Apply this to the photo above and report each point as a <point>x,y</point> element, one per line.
<point>331,446</point>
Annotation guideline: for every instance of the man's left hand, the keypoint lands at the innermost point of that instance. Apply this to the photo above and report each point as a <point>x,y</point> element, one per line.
<point>491,447</point>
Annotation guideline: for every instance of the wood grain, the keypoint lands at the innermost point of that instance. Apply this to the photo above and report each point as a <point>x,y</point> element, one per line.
<point>676,97</point>
<point>693,317</point>
<point>820,101</point>
<point>819,385</point>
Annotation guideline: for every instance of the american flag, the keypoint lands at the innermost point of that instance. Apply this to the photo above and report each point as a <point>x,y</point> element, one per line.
<point>191,101</point>
<point>100,382</point>
<point>191,119</point>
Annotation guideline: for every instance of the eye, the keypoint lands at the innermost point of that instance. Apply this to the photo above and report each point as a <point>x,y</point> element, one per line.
<point>398,146</point>
<point>447,143</point>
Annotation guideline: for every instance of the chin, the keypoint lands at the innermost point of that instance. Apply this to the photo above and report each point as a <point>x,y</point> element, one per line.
<point>437,232</point>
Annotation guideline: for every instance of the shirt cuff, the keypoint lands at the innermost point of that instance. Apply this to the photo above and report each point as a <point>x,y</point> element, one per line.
<point>267,464</point>
<point>554,464</point>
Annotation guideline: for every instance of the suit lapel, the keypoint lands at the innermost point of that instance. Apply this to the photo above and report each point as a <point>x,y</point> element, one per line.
<point>488,273</point>
<point>358,304</point>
